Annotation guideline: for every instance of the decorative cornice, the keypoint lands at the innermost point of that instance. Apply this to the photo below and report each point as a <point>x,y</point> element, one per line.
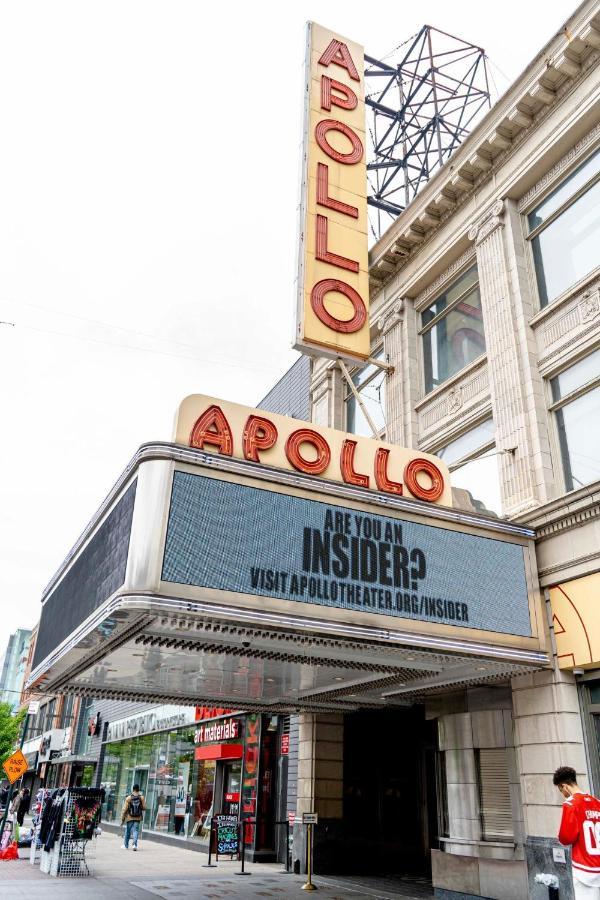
<point>487,223</point>
<point>441,281</point>
<point>556,172</point>
<point>557,70</point>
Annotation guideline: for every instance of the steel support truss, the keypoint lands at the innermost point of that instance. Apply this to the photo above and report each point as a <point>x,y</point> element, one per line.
<point>421,108</point>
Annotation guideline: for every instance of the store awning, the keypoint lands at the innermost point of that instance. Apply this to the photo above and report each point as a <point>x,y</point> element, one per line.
<point>74,758</point>
<point>219,751</point>
<point>190,588</point>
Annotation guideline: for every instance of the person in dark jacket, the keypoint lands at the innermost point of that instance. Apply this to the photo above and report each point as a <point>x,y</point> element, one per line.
<point>24,805</point>
<point>3,796</point>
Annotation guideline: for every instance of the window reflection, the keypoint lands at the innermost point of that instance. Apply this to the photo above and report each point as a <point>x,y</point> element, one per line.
<point>578,421</point>
<point>370,382</point>
<point>567,247</point>
<point>474,466</point>
<point>453,334</point>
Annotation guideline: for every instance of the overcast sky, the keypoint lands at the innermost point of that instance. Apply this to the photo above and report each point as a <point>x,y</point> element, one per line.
<point>148,188</point>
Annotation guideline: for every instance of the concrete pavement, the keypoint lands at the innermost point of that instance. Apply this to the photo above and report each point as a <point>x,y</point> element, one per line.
<point>173,873</point>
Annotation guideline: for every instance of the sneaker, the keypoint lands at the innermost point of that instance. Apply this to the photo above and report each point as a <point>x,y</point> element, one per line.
<point>123,847</point>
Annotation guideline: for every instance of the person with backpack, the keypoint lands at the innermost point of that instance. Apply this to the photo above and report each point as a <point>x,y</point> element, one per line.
<point>131,816</point>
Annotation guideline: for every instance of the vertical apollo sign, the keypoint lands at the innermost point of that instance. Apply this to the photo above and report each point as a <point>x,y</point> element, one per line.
<point>333,283</point>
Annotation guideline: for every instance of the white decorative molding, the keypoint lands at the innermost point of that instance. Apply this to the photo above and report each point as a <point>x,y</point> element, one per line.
<point>569,325</point>
<point>446,276</point>
<point>589,307</point>
<point>486,224</point>
<point>553,174</point>
<point>454,399</point>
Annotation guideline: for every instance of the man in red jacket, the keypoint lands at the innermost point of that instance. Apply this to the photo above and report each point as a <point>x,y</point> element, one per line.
<point>580,828</point>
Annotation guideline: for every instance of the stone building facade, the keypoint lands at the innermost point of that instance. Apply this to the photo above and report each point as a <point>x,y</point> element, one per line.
<point>485,301</point>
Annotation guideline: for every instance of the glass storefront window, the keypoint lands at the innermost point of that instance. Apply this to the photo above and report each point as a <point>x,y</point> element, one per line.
<point>182,793</point>
<point>452,330</point>
<point>565,231</point>
<point>578,420</point>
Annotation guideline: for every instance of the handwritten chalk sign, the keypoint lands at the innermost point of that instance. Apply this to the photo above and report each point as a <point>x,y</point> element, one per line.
<point>227,836</point>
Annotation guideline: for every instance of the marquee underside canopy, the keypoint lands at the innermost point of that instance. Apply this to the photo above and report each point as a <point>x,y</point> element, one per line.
<point>154,649</point>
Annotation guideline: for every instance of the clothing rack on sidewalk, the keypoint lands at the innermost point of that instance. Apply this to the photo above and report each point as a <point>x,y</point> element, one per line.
<point>69,830</point>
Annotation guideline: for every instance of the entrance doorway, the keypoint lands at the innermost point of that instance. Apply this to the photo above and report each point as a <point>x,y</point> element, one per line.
<point>232,779</point>
<point>390,807</point>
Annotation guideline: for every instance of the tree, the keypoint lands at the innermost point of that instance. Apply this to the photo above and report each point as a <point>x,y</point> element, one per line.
<point>10,727</point>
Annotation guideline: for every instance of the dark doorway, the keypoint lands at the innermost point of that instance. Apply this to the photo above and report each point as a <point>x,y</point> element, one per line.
<point>389,791</point>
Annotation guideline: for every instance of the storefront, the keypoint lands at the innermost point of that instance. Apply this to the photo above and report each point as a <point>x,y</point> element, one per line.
<point>190,763</point>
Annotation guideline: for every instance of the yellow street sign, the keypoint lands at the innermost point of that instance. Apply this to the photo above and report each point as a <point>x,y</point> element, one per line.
<point>15,766</point>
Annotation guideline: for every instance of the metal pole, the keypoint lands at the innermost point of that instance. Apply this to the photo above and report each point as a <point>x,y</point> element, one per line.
<point>242,870</point>
<point>209,864</point>
<point>309,886</point>
<point>358,398</point>
<point>12,787</point>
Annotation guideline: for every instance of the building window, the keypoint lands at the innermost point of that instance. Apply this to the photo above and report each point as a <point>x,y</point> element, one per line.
<point>494,795</point>
<point>473,466</point>
<point>565,231</point>
<point>576,406</point>
<point>452,330</point>
<point>370,383</point>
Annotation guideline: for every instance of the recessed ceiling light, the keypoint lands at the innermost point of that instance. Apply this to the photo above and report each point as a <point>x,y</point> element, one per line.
<point>338,678</point>
<point>270,680</point>
<point>481,668</point>
<point>410,658</point>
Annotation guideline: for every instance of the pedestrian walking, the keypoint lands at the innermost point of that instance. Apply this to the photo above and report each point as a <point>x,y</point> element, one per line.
<point>131,816</point>
<point>3,795</point>
<point>580,829</point>
<point>24,805</point>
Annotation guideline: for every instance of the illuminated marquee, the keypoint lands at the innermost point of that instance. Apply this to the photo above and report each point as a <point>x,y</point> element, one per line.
<point>218,426</point>
<point>333,288</point>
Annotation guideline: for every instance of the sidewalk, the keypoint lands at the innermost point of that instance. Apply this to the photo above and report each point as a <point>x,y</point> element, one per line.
<point>170,873</point>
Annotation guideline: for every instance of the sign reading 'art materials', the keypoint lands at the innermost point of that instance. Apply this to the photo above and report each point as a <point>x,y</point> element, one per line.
<point>333,277</point>
<point>233,537</point>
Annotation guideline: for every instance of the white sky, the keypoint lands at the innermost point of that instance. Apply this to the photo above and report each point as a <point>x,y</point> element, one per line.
<point>148,181</point>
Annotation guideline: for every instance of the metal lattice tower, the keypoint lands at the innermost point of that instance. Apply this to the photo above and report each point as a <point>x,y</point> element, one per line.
<point>421,108</point>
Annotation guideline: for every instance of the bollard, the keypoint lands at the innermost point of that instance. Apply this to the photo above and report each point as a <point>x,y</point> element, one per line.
<point>209,864</point>
<point>309,886</point>
<point>243,842</point>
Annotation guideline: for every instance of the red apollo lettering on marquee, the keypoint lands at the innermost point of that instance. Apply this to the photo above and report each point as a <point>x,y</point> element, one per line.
<point>381,475</point>
<point>323,198</point>
<point>328,98</point>
<point>323,253</point>
<point>308,436</point>
<point>259,434</point>
<point>411,471</point>
<point>349,475</point>
<point>317,301</point>
<point>348,159</point>
<point>212,428</point>
<point>337,53</point>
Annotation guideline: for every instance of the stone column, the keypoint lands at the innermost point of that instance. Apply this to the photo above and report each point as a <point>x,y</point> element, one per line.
<point>320,779</point>
<point>327,395</point>
<point>548,734</point>
<point>398,326</point>
<point>504,330</point>
<point>391,326</point>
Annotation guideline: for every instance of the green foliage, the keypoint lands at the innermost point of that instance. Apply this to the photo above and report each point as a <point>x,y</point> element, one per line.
<point>10,728</point>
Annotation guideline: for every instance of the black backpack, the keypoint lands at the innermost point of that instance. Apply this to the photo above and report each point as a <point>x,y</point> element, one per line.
<point>135,806</point>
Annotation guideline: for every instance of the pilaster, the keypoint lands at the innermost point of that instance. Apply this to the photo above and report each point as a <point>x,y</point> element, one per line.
<point>501,317</point>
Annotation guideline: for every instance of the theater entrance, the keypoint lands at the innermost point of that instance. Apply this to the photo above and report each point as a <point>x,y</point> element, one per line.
<point>390,805</point>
